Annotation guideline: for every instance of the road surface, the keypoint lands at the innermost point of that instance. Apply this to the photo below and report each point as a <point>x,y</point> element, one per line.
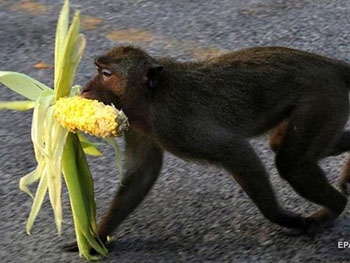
<point>195,213</point>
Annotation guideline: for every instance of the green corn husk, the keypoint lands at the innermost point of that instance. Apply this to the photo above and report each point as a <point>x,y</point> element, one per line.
<point>58,151</point>
<point>77,176</point>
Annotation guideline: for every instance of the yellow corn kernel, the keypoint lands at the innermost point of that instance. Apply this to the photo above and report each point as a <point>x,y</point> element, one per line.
<point>90,116</point>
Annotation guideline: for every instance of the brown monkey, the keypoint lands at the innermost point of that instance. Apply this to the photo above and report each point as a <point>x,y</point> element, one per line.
<point>207,110</point>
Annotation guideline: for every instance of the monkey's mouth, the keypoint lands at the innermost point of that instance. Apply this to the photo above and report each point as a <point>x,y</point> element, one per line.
<point>108,99</point>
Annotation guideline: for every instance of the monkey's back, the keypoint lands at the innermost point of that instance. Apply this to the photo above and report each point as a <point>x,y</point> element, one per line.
<point>253,89</point>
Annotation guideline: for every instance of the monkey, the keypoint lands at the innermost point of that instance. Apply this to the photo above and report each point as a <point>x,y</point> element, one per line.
<point>208,110</point>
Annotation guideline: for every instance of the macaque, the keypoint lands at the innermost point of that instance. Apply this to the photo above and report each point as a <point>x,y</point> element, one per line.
<point>208,110</point>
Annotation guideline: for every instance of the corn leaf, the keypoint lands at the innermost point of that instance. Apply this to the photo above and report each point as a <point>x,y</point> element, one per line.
<point>39,126</point>
<point>72,52</point>
<point>80,186</point>
<point>89,147</point>
<point>28,179</point>
<point>90,232</point>
<point>23,84</point>
<point>17,105</point>
<point>55,137</point>
<point>48,169</point>
<point>61,33</point>
<point>38,200</point>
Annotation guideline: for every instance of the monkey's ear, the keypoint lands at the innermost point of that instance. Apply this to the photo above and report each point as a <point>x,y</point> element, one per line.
<point>153,75</point>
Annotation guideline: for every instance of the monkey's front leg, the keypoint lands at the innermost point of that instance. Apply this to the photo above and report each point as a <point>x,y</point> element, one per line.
<point>143,161</point>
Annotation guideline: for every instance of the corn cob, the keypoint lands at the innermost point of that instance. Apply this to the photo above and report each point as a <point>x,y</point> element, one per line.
<point>90,116</point>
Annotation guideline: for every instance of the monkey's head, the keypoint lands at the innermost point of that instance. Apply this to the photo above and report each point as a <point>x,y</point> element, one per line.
<point>125,77</point>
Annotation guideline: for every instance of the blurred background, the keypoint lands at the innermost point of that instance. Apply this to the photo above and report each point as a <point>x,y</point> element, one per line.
<point>195,213</point>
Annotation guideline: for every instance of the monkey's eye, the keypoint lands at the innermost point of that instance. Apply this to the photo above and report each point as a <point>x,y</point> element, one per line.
<point>106,72</point>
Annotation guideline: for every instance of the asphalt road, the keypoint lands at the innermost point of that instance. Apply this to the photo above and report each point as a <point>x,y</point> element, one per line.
<point>195,213</point>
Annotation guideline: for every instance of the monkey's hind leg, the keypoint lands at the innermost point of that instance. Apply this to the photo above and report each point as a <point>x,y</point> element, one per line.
<point>240,159</point>
<point>310,132</point>
<point>275,138</point>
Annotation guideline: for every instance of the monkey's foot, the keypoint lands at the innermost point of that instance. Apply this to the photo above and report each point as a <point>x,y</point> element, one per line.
<point>319,221</point>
